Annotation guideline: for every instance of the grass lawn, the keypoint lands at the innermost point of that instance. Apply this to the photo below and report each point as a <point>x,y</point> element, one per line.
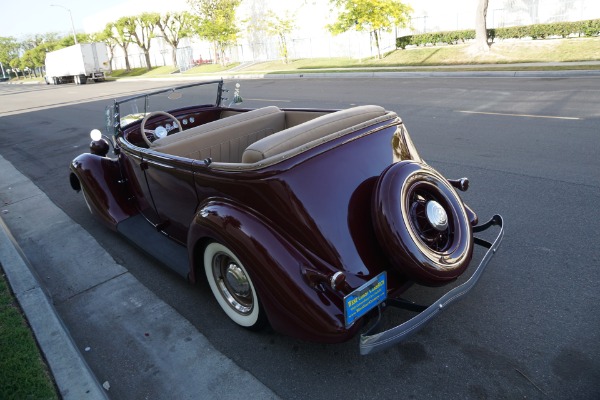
<point>432,58</point>
<point>170,71</point>
<point>509,52</point>
<point>155,71</point>
<point>209,68</point>
<point>506,52</point>
<point>23,373</point>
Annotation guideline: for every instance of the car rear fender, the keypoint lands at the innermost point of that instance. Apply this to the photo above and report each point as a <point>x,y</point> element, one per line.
<point>103,189</point>
<point>293,306</point>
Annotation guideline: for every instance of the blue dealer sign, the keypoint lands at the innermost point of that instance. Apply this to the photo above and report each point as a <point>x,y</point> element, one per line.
<point>365,298</point>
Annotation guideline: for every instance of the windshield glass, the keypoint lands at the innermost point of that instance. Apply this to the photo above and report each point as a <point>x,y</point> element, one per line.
<point>123,112</point>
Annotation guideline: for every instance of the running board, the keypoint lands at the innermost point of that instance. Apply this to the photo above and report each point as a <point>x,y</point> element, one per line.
<point>144,235</point>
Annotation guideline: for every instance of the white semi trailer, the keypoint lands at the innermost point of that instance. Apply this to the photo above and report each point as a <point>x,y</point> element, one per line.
<point>77,64</point>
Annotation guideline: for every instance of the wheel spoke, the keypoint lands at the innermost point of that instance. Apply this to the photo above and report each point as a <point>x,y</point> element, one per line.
<point>433,238</point>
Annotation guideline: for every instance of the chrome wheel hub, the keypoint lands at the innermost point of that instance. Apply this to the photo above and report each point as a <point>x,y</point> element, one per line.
<point>233,283</point>
<point>436,215</point>
<point>237,280</point>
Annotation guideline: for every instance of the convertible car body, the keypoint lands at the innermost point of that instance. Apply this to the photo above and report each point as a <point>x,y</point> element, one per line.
<point>314,221</point>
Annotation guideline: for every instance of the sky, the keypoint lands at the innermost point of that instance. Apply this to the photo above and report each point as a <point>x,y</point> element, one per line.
<point>38,16</point>
<point>21,19</point>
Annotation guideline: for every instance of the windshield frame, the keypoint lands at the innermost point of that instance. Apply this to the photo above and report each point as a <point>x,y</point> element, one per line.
<point>114,125</point>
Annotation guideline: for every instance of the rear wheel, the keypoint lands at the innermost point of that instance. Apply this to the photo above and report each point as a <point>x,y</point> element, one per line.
<point>232,287</point>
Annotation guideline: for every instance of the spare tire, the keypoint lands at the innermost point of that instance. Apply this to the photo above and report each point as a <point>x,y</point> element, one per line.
<point>421,223</point>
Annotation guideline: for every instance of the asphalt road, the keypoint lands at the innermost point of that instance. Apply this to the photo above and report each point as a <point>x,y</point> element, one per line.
<point>531,328</point>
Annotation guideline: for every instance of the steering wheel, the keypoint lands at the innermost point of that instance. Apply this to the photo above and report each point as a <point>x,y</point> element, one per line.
<point>151,131</point>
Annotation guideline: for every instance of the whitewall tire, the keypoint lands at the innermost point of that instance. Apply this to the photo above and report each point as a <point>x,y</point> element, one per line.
<point>232,287</point>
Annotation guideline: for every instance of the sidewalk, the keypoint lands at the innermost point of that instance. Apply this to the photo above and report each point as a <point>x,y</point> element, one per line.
<point>148,349</point>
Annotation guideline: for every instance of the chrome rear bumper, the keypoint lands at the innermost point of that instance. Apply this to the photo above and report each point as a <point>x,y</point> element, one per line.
<point>373,342</point>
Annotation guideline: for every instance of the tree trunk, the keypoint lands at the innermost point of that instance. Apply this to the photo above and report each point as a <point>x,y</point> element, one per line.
<point>174,55</point>
<point>481,36</point>
<point>216,59</point>
<point>284,49</point>
<point>220,54</point>
<point>147,57</point>
<point>127,66</point>
<point>111,56</point>
<point>376,35</point>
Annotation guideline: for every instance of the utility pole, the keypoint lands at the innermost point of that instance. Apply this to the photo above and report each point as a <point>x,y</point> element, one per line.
<point>71,16</point>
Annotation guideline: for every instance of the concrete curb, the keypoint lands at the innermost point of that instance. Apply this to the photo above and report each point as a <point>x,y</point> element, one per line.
<point>423,74</point>
<point>71,373</point>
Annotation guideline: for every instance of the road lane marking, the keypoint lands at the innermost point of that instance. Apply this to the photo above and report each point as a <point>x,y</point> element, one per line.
<point>271,100</point>
<point>518,115</point>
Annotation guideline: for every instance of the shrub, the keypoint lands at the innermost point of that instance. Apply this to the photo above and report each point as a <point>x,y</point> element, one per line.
<point>403,41</point>
<point>538,31</point>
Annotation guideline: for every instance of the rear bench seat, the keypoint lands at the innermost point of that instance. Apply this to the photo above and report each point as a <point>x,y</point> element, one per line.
<point>309,131</point>
<point>223,140</point>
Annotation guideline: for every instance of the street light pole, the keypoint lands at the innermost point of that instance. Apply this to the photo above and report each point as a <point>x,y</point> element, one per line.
<point>71,16</point>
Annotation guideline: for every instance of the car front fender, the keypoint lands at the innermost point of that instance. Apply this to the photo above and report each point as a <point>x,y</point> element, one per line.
<point>294,307</point>
<point>103,189</point>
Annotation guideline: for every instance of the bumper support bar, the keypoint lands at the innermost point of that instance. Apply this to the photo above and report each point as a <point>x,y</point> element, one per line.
<point>373,342</point>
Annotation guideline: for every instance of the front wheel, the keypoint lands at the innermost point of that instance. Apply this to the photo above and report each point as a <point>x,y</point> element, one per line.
<point>232,287</point>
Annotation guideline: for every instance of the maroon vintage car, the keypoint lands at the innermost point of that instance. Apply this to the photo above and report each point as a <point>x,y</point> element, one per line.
<point>313,221</point>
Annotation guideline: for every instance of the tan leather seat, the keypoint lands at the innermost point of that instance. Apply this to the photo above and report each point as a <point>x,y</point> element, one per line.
<point>223,140</point>
<point>309,131</point>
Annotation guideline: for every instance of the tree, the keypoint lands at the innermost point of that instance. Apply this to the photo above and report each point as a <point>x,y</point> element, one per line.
<point>68,40</point>
<point>93,37</point>
<point>31,42</point>
<point>281,27</point>
<point>141,29</point>
<point>481,34</point>
<point>28,62</point>
<point>373,16</point>
<point>34,59</point>
<point>119,33</point>
<point>216,23</point>
<point>9,49</point>
<point>15,64</point>
<point>174,27</point>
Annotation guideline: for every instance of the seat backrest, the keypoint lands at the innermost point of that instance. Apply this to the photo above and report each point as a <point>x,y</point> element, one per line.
<point>308,131</point>
<point>223,140</point>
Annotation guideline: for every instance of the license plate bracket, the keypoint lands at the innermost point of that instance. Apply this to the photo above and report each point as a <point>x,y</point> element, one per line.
<point>365,298</point>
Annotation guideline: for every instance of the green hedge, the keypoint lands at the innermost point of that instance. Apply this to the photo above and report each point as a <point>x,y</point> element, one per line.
<point>537,31</point>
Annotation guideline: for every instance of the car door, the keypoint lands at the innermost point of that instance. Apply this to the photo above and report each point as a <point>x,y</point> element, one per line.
<point>170,184</point>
